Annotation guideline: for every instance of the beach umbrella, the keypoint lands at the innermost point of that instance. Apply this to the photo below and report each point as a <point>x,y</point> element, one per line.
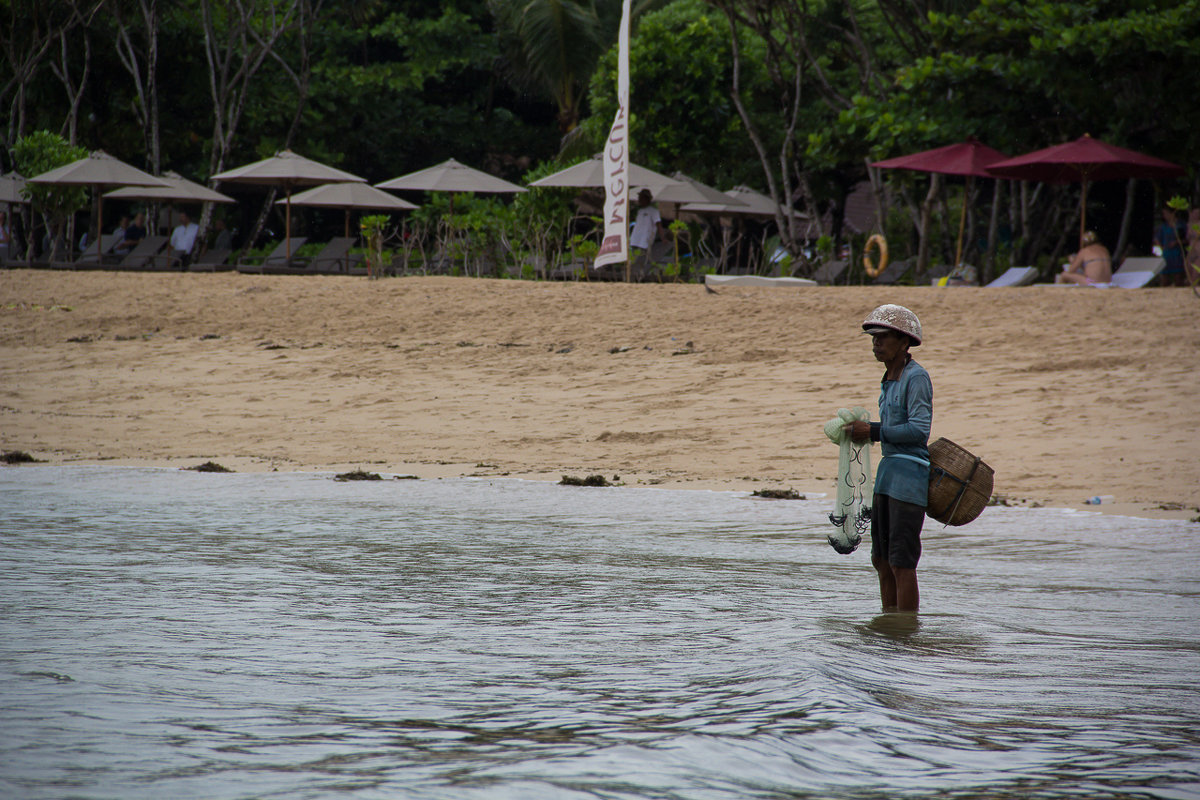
<point>453,177</point>
<point>969,159</point>
<point>178,189</point>
<point>10,189</point>
<point>1083,161</point>
<point>348,196</point>
<point>10,194</point>
<point>98,170</point>
<point>287,170</point>
<point>741,200</point>
<point>590,173</point>
<point>743,203</point>
<point>684,189</point>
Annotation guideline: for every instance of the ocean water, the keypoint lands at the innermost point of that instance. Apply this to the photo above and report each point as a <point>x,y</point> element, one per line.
<point>169,634</point>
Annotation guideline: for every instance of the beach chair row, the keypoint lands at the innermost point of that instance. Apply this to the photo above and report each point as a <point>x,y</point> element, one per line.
<point>154,253</point>
<point>1135,272</point>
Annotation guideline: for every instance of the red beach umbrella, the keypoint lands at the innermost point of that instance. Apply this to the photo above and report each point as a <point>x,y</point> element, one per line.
<point>1083,161</point>
<point>969,159</point>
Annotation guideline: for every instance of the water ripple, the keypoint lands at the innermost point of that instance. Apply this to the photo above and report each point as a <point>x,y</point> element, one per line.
<point>173,634</point>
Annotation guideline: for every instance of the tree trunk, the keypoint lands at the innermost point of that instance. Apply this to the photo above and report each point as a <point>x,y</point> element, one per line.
<point>1126,222</point>
<point>926,213</point>
<point>989,259</point>
<point>234,57</point>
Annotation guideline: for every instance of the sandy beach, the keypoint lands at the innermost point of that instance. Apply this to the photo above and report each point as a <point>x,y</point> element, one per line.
<point>1066,393</point>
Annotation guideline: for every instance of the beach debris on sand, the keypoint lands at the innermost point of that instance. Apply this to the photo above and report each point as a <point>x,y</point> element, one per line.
<point>18,457</point>
<point>778,494</point>
<point>208,466</point>
<point>590,480</point>
<point>358,475</point>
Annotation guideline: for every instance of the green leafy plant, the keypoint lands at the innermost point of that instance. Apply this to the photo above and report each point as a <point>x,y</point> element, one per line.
<point>40,152</point>
<point>374,228</point>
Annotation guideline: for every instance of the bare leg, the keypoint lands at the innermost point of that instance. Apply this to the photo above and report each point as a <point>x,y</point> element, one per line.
<point>887,583</point>
<point>907,595</point>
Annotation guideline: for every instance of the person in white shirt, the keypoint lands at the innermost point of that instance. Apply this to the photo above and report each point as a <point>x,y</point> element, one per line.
<point>183,238</point>
<point>647,224</point>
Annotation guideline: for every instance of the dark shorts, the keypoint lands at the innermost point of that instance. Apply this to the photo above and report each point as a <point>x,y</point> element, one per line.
<point>896,531</point>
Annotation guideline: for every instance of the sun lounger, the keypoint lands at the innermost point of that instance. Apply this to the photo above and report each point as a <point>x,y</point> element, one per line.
<point>88,257</point>
<point>933,275</point>
<point>333,258</point>
<point>277,259</point>
<point>143,256</point>
<point>211,260</point>
<point>893,272</point>
<point>829,272</point>
<point>1155,264</point>
<point>1132,279</point>
<point>1014,276</point>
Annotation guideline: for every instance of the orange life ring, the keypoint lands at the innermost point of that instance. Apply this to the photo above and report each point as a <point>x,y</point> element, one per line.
<point>871,269</point>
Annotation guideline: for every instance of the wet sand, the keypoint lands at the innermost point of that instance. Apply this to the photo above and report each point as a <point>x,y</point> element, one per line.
<point>1066,393</point>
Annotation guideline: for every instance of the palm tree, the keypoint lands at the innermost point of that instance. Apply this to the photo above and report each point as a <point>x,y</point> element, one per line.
<point>550,47</point>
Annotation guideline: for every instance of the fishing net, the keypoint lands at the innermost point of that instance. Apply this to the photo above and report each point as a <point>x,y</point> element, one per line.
<point>852,514</point>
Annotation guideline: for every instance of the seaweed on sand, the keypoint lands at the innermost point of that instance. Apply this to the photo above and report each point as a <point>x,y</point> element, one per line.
<point>358,475</point>
<point>590,480</point>
<point>778,494</point>
<point>18,457</point>
<point>209,466</point>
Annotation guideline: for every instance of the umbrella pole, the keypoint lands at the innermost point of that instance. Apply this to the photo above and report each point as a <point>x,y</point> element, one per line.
<point>1083,209</point>
<point>287,223</point>
<point>347,234</point>
<point>962,223</point>
<point>99,225</point>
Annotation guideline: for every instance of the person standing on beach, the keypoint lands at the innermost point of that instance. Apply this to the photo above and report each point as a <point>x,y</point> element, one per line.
<point>647,226</point>
<point>1170,236</point>
<point>902,480</point>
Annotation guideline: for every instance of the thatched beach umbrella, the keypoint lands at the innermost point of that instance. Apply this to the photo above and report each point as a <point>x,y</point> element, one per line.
<point>98,170</point>
<point>288,170</point>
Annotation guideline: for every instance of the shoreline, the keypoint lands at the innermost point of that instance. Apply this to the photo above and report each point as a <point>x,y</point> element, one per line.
<point>807,491</point>
<point>1064,394</point>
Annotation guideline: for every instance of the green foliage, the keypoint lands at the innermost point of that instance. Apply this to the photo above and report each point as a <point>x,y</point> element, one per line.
<point>1023,74</point>
<point>682,116</point>
<point>43,151</point>
<point>550,47</point>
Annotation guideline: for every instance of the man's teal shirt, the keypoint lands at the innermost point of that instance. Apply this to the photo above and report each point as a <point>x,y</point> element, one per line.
<point>905,418</point>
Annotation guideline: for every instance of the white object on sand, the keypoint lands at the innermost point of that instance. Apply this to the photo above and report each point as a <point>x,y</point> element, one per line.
<point>754,280</point>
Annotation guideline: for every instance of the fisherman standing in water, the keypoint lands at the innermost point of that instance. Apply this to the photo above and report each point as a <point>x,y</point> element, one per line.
<point>902,479</point>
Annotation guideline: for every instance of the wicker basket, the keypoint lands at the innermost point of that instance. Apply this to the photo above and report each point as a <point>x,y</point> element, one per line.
<point>960,484</point>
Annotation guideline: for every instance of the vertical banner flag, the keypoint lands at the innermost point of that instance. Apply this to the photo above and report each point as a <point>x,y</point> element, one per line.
<point>615,246</point>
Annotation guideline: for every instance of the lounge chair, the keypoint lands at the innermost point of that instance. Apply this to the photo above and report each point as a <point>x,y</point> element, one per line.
<point>211,260</point>
<point>1132,279</point>
<point>88,258</point>
<point>277,259</point>
<point>894,271</point>
<point>1014,276</point>
<point>829,272</point>
<point>933,275</point>
<point>144,254</point>
<point>333,258</point>
<point>1154,264</point>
